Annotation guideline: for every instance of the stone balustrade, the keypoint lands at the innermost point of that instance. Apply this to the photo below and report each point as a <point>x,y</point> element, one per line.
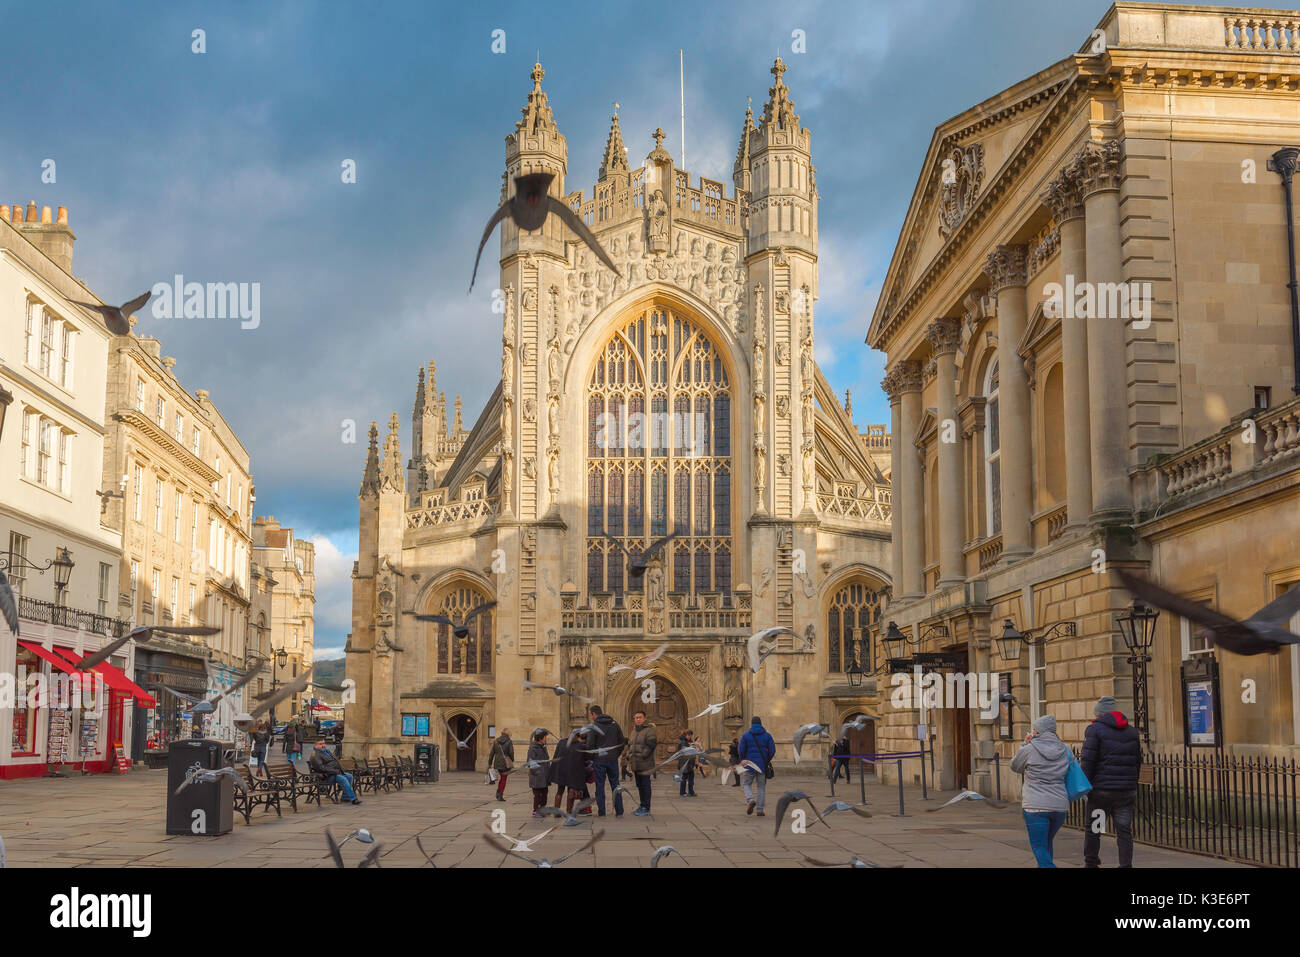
<point>866,508</point>
<point>450,513</point>
<point>1273,34</point>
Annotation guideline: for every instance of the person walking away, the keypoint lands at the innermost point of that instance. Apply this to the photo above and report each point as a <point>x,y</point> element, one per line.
<point>734,754</point>
<point>841,752</point>
<point>758,746</point>
<point>606,765</point>
<point>539,779</point>
<point>1044,761</point>
<point>326,765</point>
<point>570,774</point>
<point>502,760</point>
<point>640,757</point>
<point>686,766</point>
<point>261,736</point>
<point>1111,759</point>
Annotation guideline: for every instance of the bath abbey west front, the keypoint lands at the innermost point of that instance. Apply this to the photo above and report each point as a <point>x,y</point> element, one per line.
<point>680,397</point>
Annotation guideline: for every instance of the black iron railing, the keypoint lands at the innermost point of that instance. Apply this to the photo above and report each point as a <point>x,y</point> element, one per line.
<point>1243,808</point>
<point>34,609</point>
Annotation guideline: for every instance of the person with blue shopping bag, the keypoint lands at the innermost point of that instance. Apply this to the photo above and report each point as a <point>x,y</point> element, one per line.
<point>1052,780</point>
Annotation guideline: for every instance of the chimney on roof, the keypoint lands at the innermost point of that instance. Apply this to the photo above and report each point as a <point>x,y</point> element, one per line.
<point>48,233</point>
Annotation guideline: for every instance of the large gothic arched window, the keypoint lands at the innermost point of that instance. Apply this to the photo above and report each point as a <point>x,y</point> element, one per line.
<point>470,655</point>
<point>659,455</point>
<point>853,610</point>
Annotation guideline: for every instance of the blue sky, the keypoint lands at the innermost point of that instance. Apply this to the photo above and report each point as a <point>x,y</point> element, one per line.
<point>225,167</point>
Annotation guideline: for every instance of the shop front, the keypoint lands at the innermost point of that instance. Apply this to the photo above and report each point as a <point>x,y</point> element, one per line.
<point>176,677</point>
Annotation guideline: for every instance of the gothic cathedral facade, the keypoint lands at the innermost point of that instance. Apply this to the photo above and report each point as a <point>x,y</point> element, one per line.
<point>679,397</point>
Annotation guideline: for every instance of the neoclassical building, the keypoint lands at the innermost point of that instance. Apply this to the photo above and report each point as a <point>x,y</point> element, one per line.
<point>1091,367</point>
<point>680,396</point>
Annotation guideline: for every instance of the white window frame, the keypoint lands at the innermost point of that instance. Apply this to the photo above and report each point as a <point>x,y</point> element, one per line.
<point>66,357</point>
<point>46,364</point>
<point>158,505</point>
<point>1037,666</point>
<point>31,340</point>
<point>139,395</point>
<point>135,585</point>
<point>160,412</point>
<point>137,495</point>
<point>155,583</point>
<point>65,462</point>
<point>105,582</point>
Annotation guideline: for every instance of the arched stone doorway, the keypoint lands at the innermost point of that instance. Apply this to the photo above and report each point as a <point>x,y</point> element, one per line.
<point>462,725</point>
<point>668,713</point>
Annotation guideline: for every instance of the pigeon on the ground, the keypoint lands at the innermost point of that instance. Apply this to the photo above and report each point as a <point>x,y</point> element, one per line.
<point>968,795</point>
<point>788,798</point>
<point>543,862</point>
<point>662,852</point>
<point>1264,632</point>
<point>459,630</point>
<point>766,637</point>
<point>142,632</point>
<point>529,208</point>
<point>529,685</point>
<point>118,318</point>
<point>803,731</point>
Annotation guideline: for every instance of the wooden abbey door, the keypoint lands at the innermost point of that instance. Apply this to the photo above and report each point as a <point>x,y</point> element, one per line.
<point>667,713</point>
<point>464,759</point>
<point>861,742</point>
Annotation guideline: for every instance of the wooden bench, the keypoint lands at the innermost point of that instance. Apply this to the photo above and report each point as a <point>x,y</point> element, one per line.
<point>363,778</point>
<point>260,793</point>
<point>282,777</point>
<point>312,786</point>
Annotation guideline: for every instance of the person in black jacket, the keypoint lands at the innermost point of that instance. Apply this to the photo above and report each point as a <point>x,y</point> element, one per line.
<point>841,752</point>
<point>734,754</point>
<point>1111,759</point>
<point>261,736</point>
<point>326,765</point>
<point>606,765</point>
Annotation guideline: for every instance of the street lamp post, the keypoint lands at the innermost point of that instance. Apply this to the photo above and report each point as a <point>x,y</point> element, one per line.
<point>280,658</point>
<point>1138,626</point>
<point>1012,642</point>
<point>62,564</point>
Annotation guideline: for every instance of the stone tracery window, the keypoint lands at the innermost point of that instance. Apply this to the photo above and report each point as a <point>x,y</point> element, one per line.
<point>852,612</point>
<point>472,655</point>
<point>659,454</point>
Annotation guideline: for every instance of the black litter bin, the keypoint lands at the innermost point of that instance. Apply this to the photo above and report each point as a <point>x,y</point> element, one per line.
<point>426,762</point>
<point>202,808</point>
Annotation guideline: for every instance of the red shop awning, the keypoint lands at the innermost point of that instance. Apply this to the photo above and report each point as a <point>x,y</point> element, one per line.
<point>115,678</point>
<point>49,656</point>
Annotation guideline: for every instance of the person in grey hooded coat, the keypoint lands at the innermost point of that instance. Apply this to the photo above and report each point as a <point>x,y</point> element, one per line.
<point>1044,761</point>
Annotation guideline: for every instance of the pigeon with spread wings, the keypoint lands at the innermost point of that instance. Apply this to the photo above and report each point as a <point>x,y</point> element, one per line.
<point>1262,633</point>
<point>788,798</point>
<point>529,208</point>
<point>118,318</point>
<point>530,685</point>
<point>460,745</point>
<point>292,688</point>
<point>637,564</point>
<point>142,632</point>
<point>491,839</point>
<point>8,604</point>
<point>803,731</point>
<point>459,630</point>
<point>754,645</point>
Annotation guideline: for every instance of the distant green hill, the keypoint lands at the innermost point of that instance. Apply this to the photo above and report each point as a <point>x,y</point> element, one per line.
<point>329,671</point>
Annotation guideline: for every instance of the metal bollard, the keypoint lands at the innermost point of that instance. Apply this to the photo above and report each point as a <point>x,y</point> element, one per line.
<point>901,812</point>
<point>997,772</point>
<point>925,796</point>
<point>830,773</point>
<point>862,778</point>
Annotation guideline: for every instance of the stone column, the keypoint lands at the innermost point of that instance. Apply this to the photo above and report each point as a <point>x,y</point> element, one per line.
<point>891,387</point>
<point>944,335</point>
<point>909,478</point>
<point>1098,167</point>
<point>1065,198</point>
<point>1006,268</point>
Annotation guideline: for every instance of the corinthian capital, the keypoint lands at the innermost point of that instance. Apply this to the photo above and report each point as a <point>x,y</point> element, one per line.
<point>1006,266</point>
<point>906,377</point>
<point>944,335</point>
<point>1097,166</point>
<point>1064,195</point>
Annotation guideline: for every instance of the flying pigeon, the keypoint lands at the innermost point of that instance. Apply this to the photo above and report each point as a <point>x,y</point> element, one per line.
<point>1262,633</point>
<point>860,723</point>
<point>8,604</point>
<point>637,564</point>
<point>227,692</point>
<point>142,632</point>
<point>525,846</point>
<point>968,795</point>
<point>768,637</point>
<point>533,764</point>
<point>371,859</point>
<point>427,856</point>
<point>788,798</point>
<point>746,765</point>
<point>803,731</point>
<point>691,752</point>
<point>858,809</point>
<point>664,851</point>
<point>601,752</point>
<point>851,862</point>
<point>529,685</point>
<point>118,318</point>
<point>711,709</point>
<point>461,630</point>
<point>198,776</point>
<point>460,745</point>
<point>292,688</point>
<point>529,208</point>
<point>491,839</point>
<point>585,729</point>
